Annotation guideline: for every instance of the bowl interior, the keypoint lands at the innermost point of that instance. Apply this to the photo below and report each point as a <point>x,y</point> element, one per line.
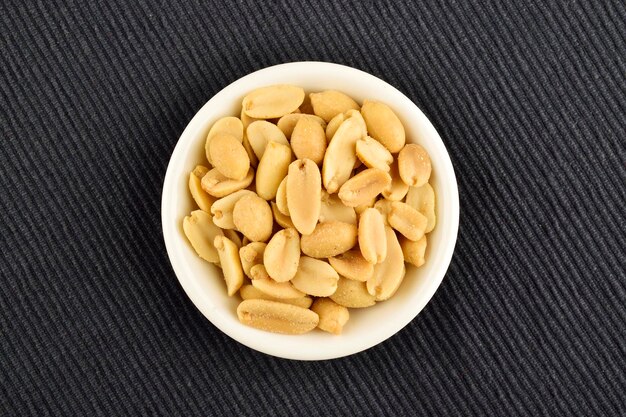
<point>203,282</point>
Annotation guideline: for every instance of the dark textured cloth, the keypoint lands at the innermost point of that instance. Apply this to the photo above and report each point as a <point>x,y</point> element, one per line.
<point>530,99</point>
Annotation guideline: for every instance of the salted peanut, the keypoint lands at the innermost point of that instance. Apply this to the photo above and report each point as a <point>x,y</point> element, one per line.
<point>329,239</point>
<point>229,156</point>
<point>373,154</point>
<point>383,125</point>
<point>202,199</point>
<point>384,207</point>
<point>332,316</point>
<point>304,188</point>
<point>218,185</point>
<point>363,187</point>
<point>341,155</point>
<point>248,292</point>
<point>327,104</point>
<point>414,251</point>
<point>277,317</point>
<point>423,200</point>
<point>282,255</point>
<point>228,254</point>
<point>352,294</point>
<point>222,209</point>
<point>201,232</point>
<point>332,209</point>
<point>288,122</point>
<point>388,275</point>
<point>372,237</point>
<point>262,132</point>
<point>315,277</point>
<point>273,101</point>
<point>414,165</point>
<point>308,140</point>
<point>229,125</point>
<point>263,282</point>
<point>397,190</point>
<point>250,255</point>
<point>333,125</point>
<point>352,265</point>
<point>253,217</point>
<point>406,220</point>
<point>281,197</point>
<point>282,220</point>
<point>272,168</point>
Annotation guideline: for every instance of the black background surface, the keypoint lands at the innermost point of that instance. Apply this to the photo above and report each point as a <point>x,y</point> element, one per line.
<point>530,99</point>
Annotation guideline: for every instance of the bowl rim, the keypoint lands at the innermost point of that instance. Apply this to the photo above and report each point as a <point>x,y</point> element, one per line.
<point>211,313</point>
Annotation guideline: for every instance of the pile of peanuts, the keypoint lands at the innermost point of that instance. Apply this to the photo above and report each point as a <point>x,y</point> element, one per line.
<point>312,206</point>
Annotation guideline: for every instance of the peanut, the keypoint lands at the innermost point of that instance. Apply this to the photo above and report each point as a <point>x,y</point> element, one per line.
<point>373,154</point>
<point>201,232</point>
<point>282,255</point>
<point>364,187</point>
<point>352,294</point>
<point>231,265</point>
<point>273,101</point>
<point>414,165</point>
<point>229,125</point>
<point>341,155</point>
<point>304,187</point>
<point>332,316</point>
<point>327,104</point>
<point>272,169</point>
<point>202,199</point>
<point>372,236</point>
<point>329,239</point>
<point>383,125</point>
<point>229,156</point>
<point>252,216</point>
<point>277,317</point>
<point>352,265</point>
<point>406,220</point>
<point>423,200</point>
<point>315,277</point>
<point>414,251</point>
<point>308,140</point>
<point>388,275</point>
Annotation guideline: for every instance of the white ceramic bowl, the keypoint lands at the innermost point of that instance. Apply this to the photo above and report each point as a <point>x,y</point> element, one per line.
<point>203,282</point>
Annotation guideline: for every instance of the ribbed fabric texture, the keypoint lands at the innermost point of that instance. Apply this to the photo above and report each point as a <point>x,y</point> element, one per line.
<point>530,99</point>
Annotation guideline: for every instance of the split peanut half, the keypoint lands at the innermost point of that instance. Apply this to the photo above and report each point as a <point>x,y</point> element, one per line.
<point>273,101</point>
<point>304,187</point>
<point>277,317</point>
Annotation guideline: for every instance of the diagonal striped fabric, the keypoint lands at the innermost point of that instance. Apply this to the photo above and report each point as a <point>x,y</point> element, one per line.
<point>530,98</point>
